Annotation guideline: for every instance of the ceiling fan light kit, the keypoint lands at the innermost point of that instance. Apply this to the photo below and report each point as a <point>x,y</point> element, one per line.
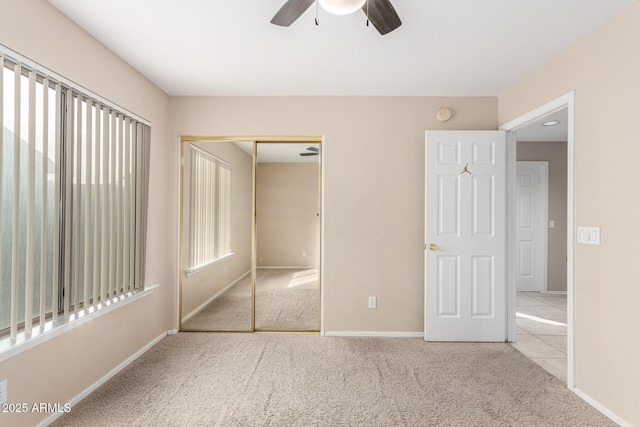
<point>311,151</point>
<point>379,12</point>
<point>342,7</point>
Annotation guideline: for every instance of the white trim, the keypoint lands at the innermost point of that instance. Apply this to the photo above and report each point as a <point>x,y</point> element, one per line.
<point>285,267</point>
<point>567,100</point>
<point>542,228</point>
<point>548,108</point>
<point>193,270</point>
<point>603,409</point>
<point>179,223</point>
<point>424,239</point>
<point>374,334</point>
<point>210,300</point>
<point>13,56</point>
<point>172,332</point>
<point>322,252</point>
<point>9,350</point>
<point>86,392</point>
<point>556,292</point>
<point>511,167</point>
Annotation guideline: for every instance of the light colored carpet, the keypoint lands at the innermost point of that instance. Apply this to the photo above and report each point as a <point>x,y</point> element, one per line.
<point>196,379</point>
<point>285,299</point>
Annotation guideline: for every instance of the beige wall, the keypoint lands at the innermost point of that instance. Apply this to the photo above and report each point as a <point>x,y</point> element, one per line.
<point>201,286</point>
<point>286,214</point>
<point>556,154</point>
<point>65,366</point>
<point>373,184</point>
<point>604,71</point>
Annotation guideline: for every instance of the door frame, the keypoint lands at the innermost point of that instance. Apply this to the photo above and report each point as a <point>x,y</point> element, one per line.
<point>541,231</point>
<point>565,101</point>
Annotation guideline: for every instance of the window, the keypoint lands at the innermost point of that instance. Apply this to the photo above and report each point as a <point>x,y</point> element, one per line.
<point>73,190</point>
<point>209,209</point>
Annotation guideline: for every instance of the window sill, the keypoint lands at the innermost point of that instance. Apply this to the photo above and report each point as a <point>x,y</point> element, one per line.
<point>10,348</point>
<point>191,271</point>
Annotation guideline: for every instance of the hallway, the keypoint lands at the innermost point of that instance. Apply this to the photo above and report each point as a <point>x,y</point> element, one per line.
<point>541,330</point>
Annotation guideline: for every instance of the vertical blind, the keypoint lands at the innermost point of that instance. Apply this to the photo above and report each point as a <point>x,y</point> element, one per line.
<point>73,199</point>
<point>209,208</point>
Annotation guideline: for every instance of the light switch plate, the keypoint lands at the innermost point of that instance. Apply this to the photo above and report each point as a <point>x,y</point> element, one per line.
<point>589,235</point>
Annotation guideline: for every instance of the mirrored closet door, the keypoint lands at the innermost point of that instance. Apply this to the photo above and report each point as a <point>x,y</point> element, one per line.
<point>250,235</point>
<point>216,266</point>
<point>287,232</point>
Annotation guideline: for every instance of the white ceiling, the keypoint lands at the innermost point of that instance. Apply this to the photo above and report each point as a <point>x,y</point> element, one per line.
<point>443,48</point>
<point>535,131</point>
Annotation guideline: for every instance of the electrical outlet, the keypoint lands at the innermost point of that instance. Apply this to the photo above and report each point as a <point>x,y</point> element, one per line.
<point>373,302</point>
<point>3,391</point>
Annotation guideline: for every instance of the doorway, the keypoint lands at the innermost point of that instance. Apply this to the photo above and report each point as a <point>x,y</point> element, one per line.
<point>539,319</point>
<point>266,207</point>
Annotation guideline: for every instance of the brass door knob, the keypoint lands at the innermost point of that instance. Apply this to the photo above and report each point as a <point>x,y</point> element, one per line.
<point>433,247</point>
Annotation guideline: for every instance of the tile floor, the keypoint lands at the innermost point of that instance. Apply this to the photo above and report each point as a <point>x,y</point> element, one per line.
<point>541,330</point>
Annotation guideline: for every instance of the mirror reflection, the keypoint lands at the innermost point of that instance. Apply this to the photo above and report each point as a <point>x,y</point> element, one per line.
<point>221,288</point>
<point>216,237</point>
<point>287,236</point>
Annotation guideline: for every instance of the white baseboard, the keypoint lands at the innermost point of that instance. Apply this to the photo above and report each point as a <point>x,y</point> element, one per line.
<point>605,411</point>
<point>556,292</point>
<point>210,300</point>
<point>284,267</point>
<point>375,334</point>
<point>104,379</point>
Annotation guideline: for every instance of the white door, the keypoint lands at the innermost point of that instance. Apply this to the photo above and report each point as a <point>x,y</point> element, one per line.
<point>531,225</point>
<point>465,291</point>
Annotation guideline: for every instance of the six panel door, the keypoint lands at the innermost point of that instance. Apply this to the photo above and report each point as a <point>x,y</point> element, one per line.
<point>465,292</point>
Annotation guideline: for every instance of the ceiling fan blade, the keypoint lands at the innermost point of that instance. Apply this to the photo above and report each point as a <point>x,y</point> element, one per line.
<point>314,149</point>
<point>382,15</point>
<point>291,11</point>
<point>308,154</point>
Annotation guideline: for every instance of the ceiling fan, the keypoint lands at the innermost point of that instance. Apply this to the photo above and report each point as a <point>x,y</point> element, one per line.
<point>380,12</point>
<point>311,151</point>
